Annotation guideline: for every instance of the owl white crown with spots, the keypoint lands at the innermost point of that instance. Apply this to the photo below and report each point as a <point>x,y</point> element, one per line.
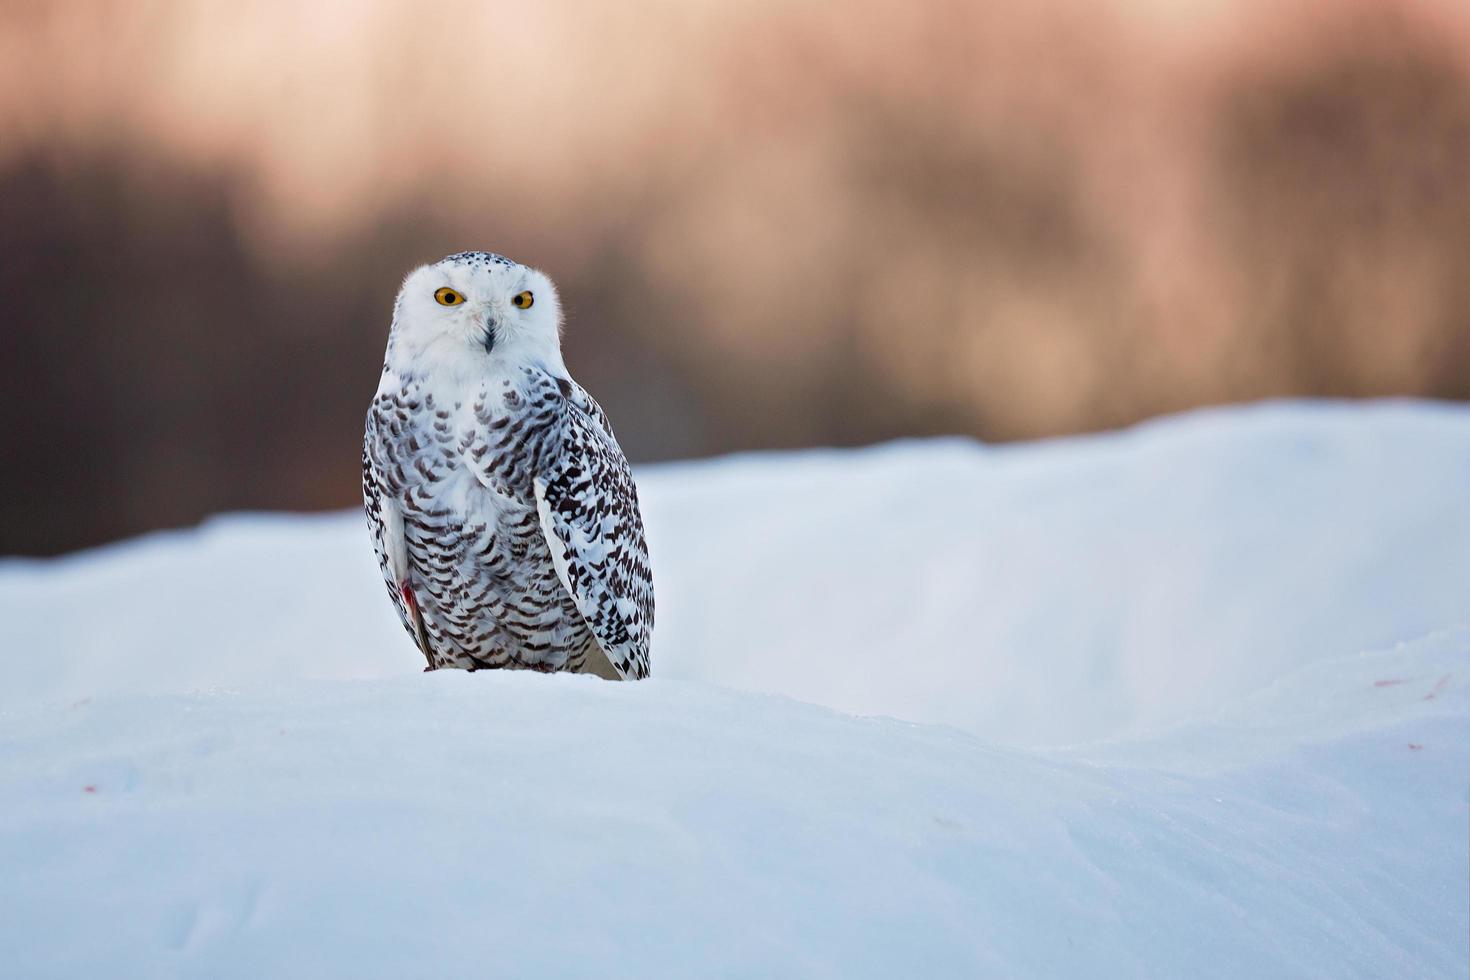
<point>502,509</point>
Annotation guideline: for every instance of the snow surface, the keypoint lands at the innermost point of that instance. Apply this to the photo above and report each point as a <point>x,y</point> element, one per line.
<point>1187,700</point>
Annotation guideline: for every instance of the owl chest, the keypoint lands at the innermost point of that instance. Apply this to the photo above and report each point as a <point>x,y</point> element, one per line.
<point>462,491</point>
<point>441,453</point>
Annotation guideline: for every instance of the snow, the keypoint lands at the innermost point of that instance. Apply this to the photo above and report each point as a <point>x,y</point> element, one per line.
<point>1186,700</point>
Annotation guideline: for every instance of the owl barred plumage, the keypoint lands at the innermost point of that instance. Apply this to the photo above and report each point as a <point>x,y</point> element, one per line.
<point>502,509</point>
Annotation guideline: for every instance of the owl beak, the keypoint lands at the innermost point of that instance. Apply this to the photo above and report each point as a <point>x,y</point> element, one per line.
<point>489,339</point>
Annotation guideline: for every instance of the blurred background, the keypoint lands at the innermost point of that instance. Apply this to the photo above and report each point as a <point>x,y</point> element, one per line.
<point>772,224</point>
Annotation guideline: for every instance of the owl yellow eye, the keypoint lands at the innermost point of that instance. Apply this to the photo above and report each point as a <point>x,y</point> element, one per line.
<point>523,301</point>
<point>448,297</point>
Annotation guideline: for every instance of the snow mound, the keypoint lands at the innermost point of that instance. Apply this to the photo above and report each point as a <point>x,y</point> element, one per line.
<point>1141,735</point>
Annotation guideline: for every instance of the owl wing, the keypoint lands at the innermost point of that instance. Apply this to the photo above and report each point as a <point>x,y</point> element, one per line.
<point>385,520</point>
<point>588,505</point>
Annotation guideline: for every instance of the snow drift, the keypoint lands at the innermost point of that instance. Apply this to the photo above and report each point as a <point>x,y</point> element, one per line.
<point>1183,700</point>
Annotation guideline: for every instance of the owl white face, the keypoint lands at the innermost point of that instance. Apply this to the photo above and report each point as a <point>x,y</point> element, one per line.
<point>473,308</point>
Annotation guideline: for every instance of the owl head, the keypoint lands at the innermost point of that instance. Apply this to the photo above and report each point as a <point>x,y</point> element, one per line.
<point>473,307</point>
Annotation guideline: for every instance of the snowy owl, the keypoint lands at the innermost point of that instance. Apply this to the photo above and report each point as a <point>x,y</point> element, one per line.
<point>502,509</point>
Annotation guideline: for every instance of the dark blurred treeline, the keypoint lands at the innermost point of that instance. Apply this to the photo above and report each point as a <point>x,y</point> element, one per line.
<point>776,226</point>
